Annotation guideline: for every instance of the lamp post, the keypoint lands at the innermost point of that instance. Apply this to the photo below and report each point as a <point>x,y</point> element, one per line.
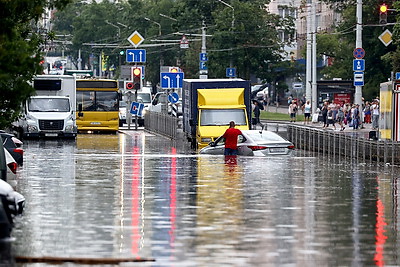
<point>232,26</point>
<point>168,17</point>
<point>119,29</point>
<point>233,12</point>
<point>159,25</point>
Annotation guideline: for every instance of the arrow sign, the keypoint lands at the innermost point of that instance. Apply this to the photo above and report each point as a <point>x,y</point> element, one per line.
<point>173,97</point>
<point>171,79</point>
<point>358,65</point>
<point>135,55</point>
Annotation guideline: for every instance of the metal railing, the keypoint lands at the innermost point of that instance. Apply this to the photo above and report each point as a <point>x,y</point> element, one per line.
<point>162,123</point>
<point>333,143</point>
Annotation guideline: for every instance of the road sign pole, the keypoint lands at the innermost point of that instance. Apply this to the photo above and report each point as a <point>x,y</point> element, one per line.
<point>358,93</point>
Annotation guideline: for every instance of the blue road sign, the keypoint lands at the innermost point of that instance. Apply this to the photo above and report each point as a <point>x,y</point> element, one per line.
<point>397,75</point>
<point>171,79</point>
<point>202,65</point>
<point>230,72</point>
<point>135,55</point>
<point>359,78</point>
<point>203,57</point>
<point>136,108</point>
<point>358,65</point>
<point>173,97</point>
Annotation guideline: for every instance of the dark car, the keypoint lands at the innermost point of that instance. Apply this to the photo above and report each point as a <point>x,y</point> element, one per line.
<point>12,144</point>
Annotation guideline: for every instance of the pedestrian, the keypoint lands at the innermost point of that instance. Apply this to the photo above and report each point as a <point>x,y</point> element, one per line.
<point>266,100</point>
<point>356,117</point>
<point>340,117</point>
<point>256,112</point>
<point>367,112</point>
<point>375,114</point>
<point>290,99</point>
<point>324,113</point>
<point>231,137</point>
<point>330,118</point>
<point>307,112</point>
<point>292,111</point>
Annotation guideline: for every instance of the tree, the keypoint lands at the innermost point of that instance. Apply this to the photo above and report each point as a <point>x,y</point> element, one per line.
<point>340,44</point>
<point>20,52</point>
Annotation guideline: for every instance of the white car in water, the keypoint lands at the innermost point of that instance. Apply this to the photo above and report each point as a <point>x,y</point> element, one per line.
<point>253,143</point>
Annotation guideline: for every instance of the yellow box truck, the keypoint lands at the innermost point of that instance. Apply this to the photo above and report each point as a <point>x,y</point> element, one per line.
<point>208,105</point>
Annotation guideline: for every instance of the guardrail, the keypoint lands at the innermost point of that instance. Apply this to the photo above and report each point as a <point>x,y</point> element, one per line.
<point>333,143</point>
<point>161,123</point>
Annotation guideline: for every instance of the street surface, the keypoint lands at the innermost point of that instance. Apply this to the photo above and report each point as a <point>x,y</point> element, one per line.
<point>136,195</point>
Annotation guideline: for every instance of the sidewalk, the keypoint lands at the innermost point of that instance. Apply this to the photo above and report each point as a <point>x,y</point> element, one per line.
<point>362,131</point>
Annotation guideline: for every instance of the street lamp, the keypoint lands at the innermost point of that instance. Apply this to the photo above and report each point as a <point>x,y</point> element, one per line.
<point>233,25</point>
<point>233,12</point>
<point>168,17</point>
<point>119,30</point>
<point>159,25</point>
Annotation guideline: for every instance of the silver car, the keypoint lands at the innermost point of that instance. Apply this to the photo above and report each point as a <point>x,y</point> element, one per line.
<point>253,143</point>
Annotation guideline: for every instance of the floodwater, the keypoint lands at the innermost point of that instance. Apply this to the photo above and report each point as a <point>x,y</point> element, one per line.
<point>139,196</point>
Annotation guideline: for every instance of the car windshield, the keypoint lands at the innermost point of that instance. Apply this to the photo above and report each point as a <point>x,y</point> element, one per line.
<point>146,97</point>
<point>261,136</point>
<point>211,117</point>
<point>48,105</point>
<point>122,104</point>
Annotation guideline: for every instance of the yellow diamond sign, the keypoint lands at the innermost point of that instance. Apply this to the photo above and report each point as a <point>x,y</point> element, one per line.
<point>386,37</point>
<point>135,39</point>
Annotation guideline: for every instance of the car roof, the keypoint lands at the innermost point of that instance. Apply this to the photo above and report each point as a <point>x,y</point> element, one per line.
<point>272,135</point>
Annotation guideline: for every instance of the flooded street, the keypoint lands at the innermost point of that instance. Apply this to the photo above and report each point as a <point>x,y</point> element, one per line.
<point>137,195</point>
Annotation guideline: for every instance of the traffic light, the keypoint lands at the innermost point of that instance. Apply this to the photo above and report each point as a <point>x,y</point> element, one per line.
<point>383,10</point>
<point>137,78</point>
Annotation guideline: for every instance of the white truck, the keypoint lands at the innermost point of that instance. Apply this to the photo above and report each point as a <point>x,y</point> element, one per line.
<point>51,112</point>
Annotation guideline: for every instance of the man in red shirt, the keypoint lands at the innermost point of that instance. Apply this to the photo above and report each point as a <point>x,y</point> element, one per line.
<point>231,136</point>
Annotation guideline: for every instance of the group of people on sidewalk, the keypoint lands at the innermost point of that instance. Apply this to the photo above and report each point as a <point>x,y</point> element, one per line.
<point>351,115</point>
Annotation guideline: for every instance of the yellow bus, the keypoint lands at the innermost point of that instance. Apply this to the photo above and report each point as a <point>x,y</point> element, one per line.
<point>97,102</point>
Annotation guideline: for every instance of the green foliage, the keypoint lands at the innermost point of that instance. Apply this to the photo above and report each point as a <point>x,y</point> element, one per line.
<point>251,43</point>
<point>20,53</point>
<point>341,43</point>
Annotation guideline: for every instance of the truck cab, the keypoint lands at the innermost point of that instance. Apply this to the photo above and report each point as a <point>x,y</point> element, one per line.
<point>51,112</point>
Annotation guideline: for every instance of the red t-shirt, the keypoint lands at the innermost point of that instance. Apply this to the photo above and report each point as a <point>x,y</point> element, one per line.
<point>231,135</point>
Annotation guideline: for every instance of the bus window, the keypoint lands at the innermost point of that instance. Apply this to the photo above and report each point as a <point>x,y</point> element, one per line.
<point>107,101</point>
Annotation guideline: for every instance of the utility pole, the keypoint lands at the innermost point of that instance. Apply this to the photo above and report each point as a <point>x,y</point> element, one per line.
<point>308,55</point>
<point>314,103</point>
<point>203,73</point>
<point>358,93</point>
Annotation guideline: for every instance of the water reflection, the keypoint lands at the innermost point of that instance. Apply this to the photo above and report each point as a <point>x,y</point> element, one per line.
<point>138,195</point>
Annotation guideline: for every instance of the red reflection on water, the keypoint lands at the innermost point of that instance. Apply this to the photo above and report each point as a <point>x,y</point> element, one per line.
<point>172,204</point>
<point>135,215</point>
<point>380,237</point>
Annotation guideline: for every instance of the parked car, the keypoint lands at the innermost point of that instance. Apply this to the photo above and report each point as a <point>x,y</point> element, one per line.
<point>253,143</point>
<point>160,100</point>
<point>13,146</point>
<point>11,204</point>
